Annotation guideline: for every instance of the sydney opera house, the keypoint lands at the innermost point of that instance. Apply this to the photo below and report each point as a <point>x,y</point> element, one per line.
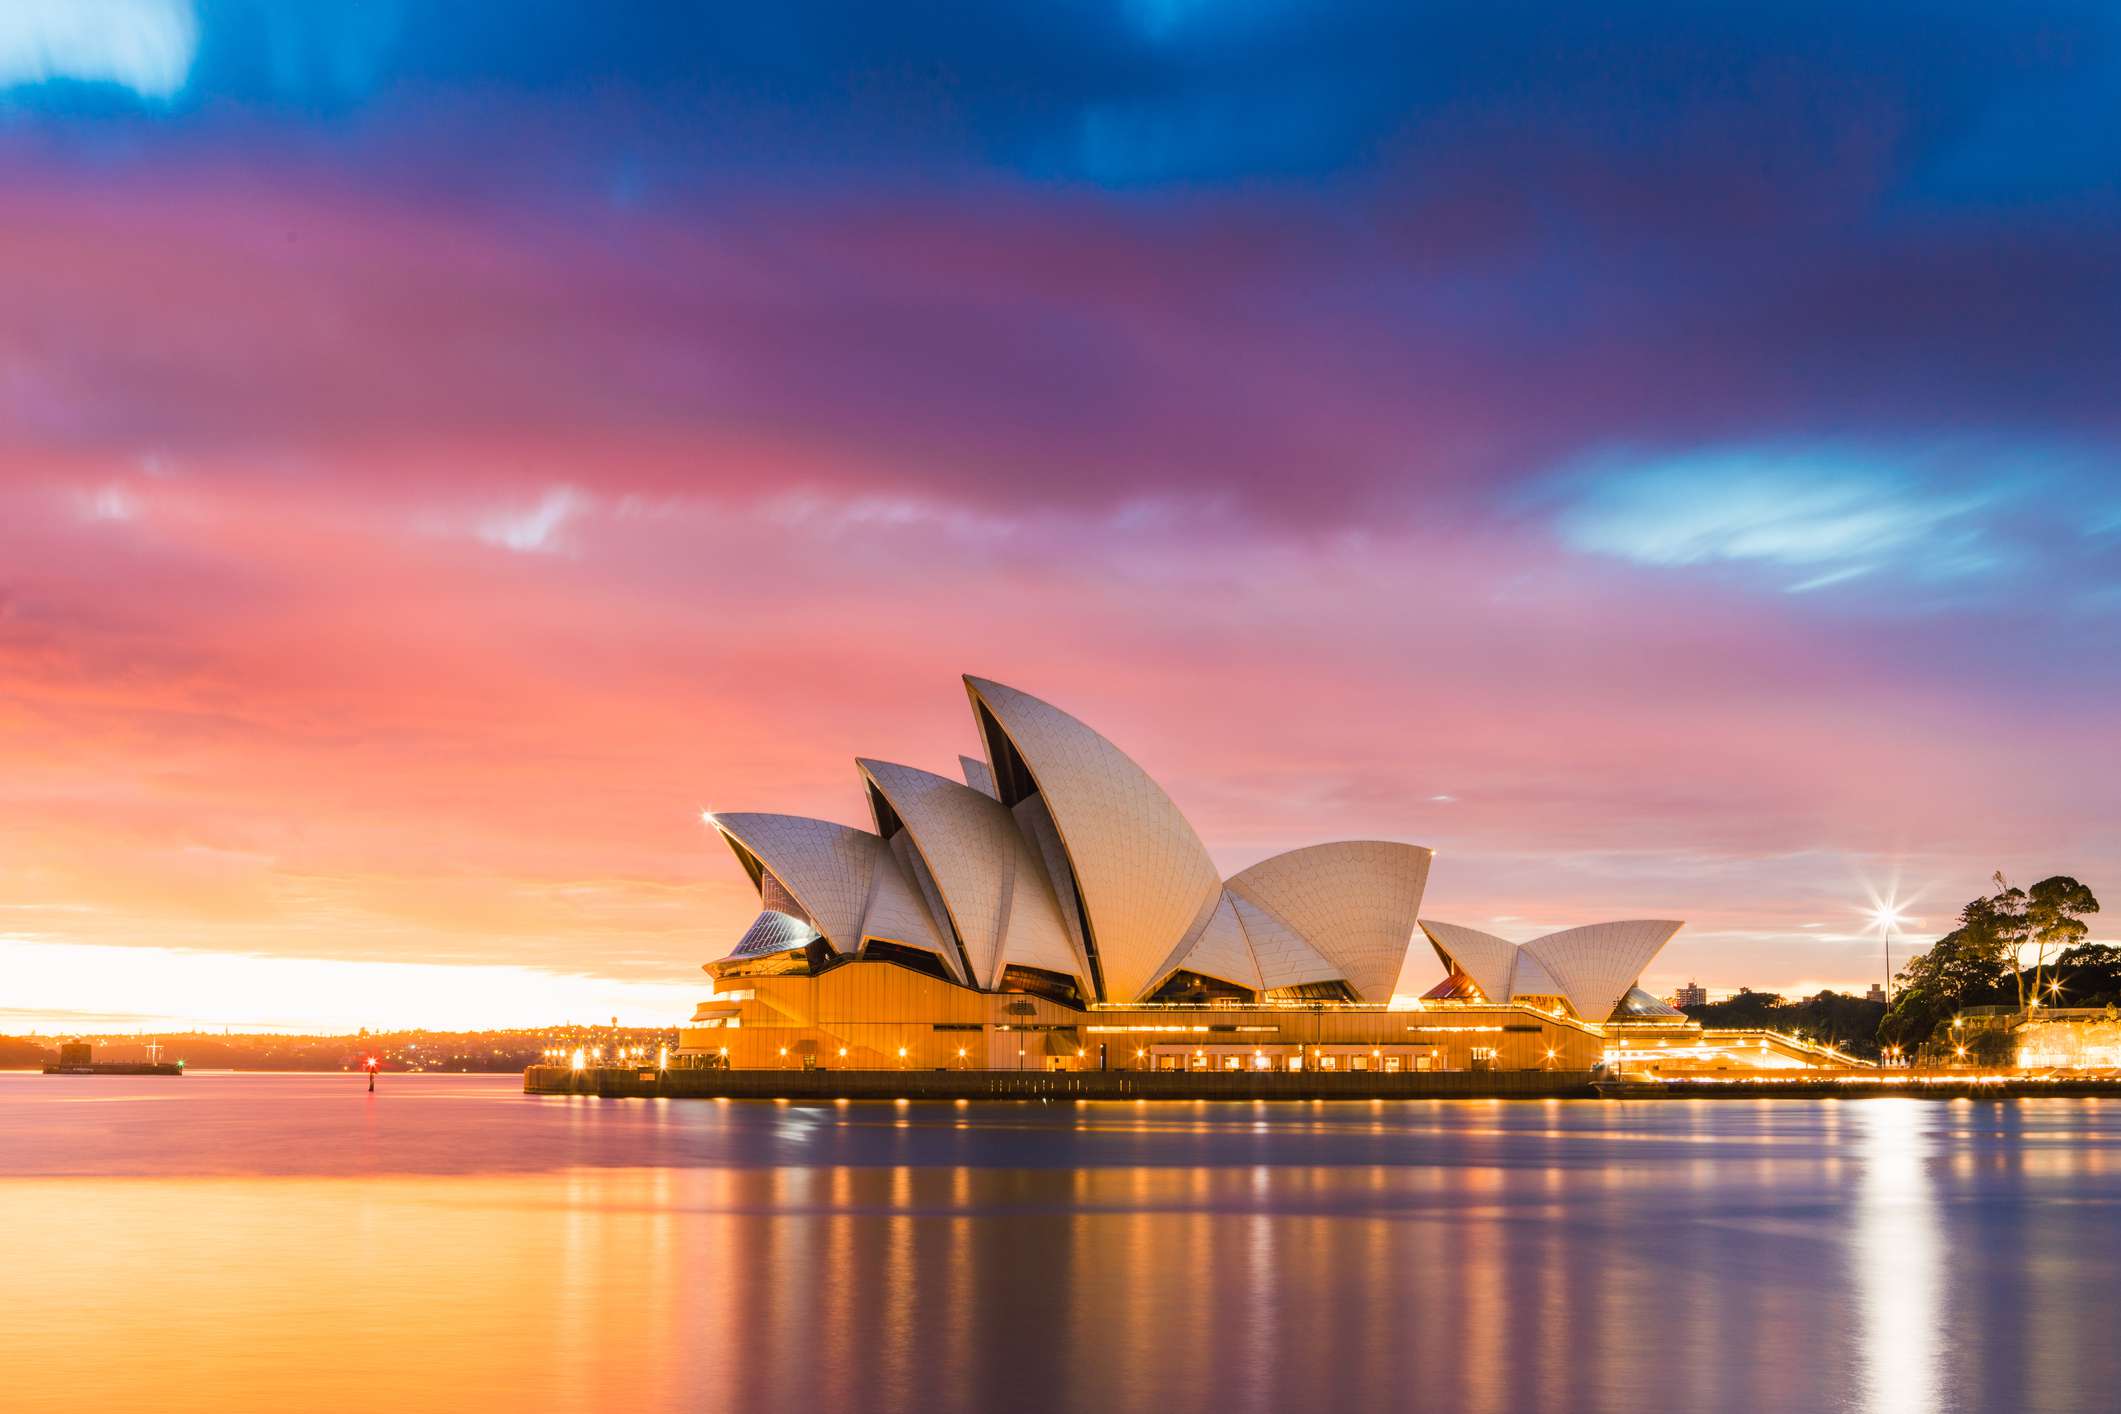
<point>1053,909</point>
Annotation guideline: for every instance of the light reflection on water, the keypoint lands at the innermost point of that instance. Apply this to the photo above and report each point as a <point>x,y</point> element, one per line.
<point>1898,1259</point>
<point>230,1242</point>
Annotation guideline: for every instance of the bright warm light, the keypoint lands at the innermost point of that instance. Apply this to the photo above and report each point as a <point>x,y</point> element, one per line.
<point>1889,916</point>
<point>579,1061</point>
<point>76,986</point>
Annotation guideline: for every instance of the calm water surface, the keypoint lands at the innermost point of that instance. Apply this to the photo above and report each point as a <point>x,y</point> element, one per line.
<point>234,1242</point>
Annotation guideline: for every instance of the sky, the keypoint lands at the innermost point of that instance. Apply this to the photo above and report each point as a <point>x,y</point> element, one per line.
<point>1664,457</point>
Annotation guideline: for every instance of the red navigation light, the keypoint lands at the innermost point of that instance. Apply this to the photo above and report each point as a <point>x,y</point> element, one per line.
<point>371,1062</point>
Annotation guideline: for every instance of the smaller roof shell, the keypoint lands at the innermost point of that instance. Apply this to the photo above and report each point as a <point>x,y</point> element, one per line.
<point>1590,968</point>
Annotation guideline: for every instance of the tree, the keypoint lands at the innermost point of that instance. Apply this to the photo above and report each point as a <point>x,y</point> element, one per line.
<point>1967,966</point>
<point>1959,967</point>
<point>2006,911</point>
<point>2055,910</point>
<point>2090,974</point>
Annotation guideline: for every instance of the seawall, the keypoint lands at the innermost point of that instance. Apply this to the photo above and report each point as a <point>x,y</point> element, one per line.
<point>621,1082</point>
<point>1867,1086</point>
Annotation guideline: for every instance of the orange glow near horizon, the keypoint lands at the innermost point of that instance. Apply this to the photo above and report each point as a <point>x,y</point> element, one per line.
<point>164,989</point>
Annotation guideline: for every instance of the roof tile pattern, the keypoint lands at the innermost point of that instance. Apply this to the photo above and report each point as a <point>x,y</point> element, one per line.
<point>1042,847</point>
<point>969,843</point>
<point>1485,958</point>
<point>896,914</point>
<point>1222,951</point>
<point>1284,958</point>
<point>1035,934</point>
<point>827,867</point>
<point>1145,877</point>
<point>1529,979</point>
<point>1596,965</point>
<point>978,775</point>
<point>1591,968</point>
<point>1355,902</point>
<point>903,851</point>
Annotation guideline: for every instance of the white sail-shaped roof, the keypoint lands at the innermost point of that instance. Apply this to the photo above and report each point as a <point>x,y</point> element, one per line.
<point>1035,936</point>
<point>1355,901</point>
<point>1046,859</point>
<point>827,867</point>
<point>1529,979</point>
<point>1284,958</point>
<point>1596,965</point>
<point>970,845</point>
<point>1485,958</point>
<point>896,914</point>
<point>993,887</point>
<point>1591,968</point>
<point>1146,881</point>
<point>976,774</point>
<point>1060,855</point>
<point>1222,951</point>
<point>844,879</point>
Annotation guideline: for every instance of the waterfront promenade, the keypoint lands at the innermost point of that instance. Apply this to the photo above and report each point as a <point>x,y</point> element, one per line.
<point>685,1083</point>
<point>702,1084</point>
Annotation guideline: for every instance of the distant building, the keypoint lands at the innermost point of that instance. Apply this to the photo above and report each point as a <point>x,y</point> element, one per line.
<point>1692,994</point>
<point>1875,994</point>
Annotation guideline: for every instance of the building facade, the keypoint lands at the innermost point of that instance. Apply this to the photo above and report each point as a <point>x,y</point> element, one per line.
<point>1052,909</point>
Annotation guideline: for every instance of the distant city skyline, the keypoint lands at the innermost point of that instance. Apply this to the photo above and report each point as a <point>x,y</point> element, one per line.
<point>445,449</point>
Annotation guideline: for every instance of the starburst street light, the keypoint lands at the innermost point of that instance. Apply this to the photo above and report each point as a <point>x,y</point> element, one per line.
<point>1887,914</point>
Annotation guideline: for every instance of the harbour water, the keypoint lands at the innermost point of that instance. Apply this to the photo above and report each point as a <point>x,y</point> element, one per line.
<point>230,1242</point>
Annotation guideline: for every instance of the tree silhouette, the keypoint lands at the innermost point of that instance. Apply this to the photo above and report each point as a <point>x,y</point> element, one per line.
<point>2055,910</point>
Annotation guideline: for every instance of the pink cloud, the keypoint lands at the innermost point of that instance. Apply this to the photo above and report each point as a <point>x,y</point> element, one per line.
<point>388,583</point>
